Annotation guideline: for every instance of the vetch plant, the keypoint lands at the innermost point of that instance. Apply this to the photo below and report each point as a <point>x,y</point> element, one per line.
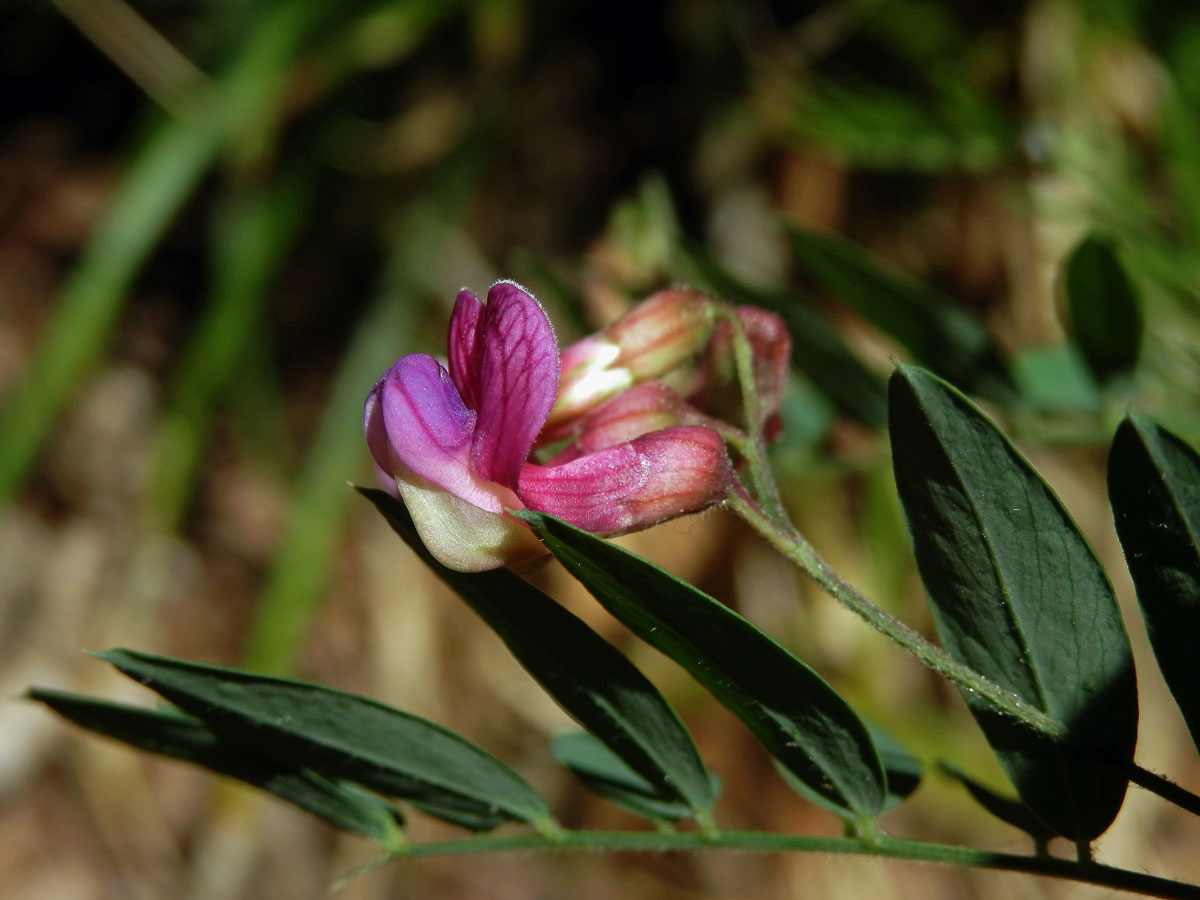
<point>666,412</point>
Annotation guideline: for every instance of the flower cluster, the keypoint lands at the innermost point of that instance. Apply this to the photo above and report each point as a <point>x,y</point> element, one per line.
<point>457,442</point>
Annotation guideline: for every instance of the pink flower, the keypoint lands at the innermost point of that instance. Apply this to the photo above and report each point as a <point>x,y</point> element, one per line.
<point>456,444</point>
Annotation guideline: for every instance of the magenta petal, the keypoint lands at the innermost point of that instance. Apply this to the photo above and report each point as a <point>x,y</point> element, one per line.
<point>373,428</point>
<point>518,378</point>
<point>463,346</point>
<point>377,439</point>
<point>429,428</point>
<point>633,485</point>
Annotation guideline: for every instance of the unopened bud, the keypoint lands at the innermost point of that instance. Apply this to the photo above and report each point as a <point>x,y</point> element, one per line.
<point>717,391</point>
<point>658,335</point>
<point>647,407</point>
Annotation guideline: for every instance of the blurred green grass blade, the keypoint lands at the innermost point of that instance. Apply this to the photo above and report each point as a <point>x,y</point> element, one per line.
<point>300,567</point>
<point>1018,595</point>
<point>299,570</point>
<point>155,186</point>
<point>1154,488</point>
<point>342,736</point>
<point>817,349</point>
<point>253,231</point>
<point>1104,307</point>
<point>585,674</point>
<point>947,128</point>
<point>177,736</point>
<point>1180,134</point>
<point>604,773</point>
<point>158,181</point>
<point>794,713</point>
<point>931,326</point>
<point>1007,809</point>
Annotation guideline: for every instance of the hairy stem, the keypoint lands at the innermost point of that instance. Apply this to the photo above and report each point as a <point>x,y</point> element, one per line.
<point>789,542</point>
<point>879,846</point>
<point>792,544</point>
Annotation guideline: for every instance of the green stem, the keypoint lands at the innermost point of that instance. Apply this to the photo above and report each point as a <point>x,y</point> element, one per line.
<point>880,846</point>
<point>792,544</point>
<point>752,447</point>
<point>788,541</point>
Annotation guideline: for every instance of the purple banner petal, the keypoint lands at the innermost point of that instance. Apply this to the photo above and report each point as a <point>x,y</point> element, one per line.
<point>518,378</point>
<point>463,346</point>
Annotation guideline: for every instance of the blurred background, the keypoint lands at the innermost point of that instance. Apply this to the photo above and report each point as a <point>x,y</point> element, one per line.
<point>221,220</point>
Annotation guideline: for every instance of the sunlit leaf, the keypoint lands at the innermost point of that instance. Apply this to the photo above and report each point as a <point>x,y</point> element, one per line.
<point>169,733</point>
<point>1018,595</point>
<point>1154,487</point>
<point>794,713</point>
<point>592,681</point>
<point>343,736</point>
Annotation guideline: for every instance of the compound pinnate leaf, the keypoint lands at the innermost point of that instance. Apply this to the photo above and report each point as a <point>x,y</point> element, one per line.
<point>343,736</point>
<point>801,721</point>
<point>588,677</point>
<point>172,734</point>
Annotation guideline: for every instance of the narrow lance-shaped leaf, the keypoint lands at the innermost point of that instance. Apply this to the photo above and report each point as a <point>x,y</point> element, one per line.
<point>588,677</point>
<point>1007,809</point>
<point>1105,311</point>
<point>1154,487</point>
<point>793,712</point>
<point>1018,595</point>
<point>172,734</point>
<point>343,736</point>
<point>605,773</point>
<point>903,771</point>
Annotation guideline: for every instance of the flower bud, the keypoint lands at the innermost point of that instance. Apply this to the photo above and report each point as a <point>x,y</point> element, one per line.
<point>636,484</point>
<point>717,391</point>
<point>656,336</point>
<point>647,407</point>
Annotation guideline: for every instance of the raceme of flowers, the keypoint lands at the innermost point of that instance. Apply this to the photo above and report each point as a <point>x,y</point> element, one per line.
<point>457,442</point>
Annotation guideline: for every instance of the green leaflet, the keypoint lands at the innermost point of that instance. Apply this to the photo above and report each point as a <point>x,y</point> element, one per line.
<point>172,734</point>
<point>604,773</point>
<point>903,771</point>
<point>1007,809</point>
<point>793,712</point>
<point>1105,311</point>
<point>1154,488</point>
<point>341,736</point>
<point>1018,595</point>
<point>588,677</point>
